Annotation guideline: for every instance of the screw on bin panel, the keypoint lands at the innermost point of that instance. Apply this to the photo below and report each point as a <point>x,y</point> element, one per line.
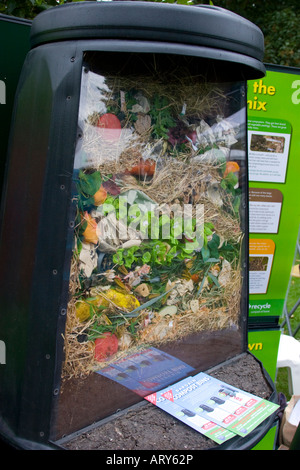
<point>62,187</point>
<point>56,391</point>
<point>54,272</point>
<point>68,97</point>
<point>72,59</point>
<point>72,224</point>
<point>47,356</point>
<point>63,311</point>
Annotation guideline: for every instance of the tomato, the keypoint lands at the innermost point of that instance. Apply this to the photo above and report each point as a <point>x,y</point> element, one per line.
<point>109,126</point>
<point>105,346</point>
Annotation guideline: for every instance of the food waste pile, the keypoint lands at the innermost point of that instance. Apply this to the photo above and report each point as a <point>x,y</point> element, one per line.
<point>157,239</point>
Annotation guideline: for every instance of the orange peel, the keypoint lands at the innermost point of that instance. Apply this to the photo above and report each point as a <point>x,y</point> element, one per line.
<point>231,167</point>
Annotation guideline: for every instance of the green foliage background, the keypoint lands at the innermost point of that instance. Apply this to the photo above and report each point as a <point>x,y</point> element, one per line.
<point>279,20</point>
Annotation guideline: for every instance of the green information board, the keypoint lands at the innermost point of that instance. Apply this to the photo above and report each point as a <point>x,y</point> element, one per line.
<point>274,209</point>
<point>263,344</point>
<point>274,170</point>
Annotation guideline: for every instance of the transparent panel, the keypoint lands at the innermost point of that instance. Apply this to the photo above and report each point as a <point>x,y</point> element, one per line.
<point>157,269</point>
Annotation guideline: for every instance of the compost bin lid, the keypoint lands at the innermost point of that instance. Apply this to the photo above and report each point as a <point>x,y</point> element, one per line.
<point>208,27</point>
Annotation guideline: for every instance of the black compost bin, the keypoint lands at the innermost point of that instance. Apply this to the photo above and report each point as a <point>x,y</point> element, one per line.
<point>124,219</point>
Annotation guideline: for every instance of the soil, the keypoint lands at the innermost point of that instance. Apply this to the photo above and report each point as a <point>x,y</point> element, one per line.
<point>146,427</point>
<point>92,398</point>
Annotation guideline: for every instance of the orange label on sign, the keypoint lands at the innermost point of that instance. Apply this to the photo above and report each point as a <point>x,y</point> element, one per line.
<point>260,246</point>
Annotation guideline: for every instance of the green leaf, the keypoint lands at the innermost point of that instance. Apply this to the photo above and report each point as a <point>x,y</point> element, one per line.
<point>118,257</point>
<point>229,182</point>
<point>213,246</point>
<point>213,260</point>
<point>171,254</point>
<point>214,279</point>
<point>89,183</point>
<point>203,280</point>
<point>236,204</point>
<point>201,285</point>
<point>208,228</point>
<point>205,252</point>
<point>146,257</point>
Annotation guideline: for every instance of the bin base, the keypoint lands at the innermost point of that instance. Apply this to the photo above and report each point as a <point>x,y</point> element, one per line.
<point>146,427</point>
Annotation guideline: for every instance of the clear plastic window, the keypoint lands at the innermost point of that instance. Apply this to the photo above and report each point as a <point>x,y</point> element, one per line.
<point>159,179</point>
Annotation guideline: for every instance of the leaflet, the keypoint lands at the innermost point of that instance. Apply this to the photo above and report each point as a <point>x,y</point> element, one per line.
<point>208,401</point>
<point>146,370</point>
<point>201,424</point>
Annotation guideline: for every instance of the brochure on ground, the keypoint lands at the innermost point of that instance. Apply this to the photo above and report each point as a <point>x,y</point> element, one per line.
<point>212,407</point>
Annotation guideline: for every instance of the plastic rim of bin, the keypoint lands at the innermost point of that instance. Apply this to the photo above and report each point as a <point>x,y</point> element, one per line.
<point>210,27</point>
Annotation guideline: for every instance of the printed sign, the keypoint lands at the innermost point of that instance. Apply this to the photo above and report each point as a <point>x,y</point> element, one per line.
<point>269,143</point>
<point>261,253</point>
<point>212,407</point>
<point>264,210</point>
<point>274,168</point>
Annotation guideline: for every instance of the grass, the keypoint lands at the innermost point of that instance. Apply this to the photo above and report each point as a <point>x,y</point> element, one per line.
<point>293,296</point>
